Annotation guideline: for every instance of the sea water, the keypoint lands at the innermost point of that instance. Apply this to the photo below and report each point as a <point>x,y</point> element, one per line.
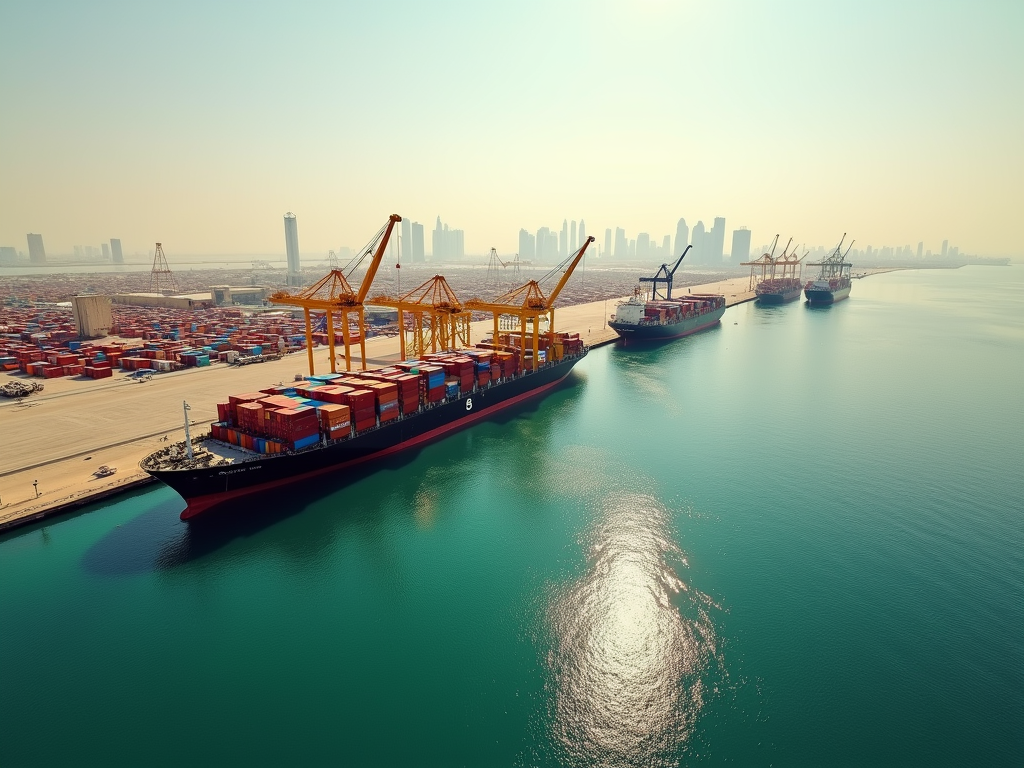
<point>795,539</point>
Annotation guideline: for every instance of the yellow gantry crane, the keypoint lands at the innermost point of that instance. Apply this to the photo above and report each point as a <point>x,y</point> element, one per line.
<point>529,302</point>
<point>770,263</point>
<point>333,293</point>
<point>447,322</point>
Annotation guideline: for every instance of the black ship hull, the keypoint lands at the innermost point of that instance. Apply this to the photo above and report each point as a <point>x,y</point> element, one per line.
<point>780,297</point>
<point>826,296</point>
<point>210,487</point>
<point>632,333</point>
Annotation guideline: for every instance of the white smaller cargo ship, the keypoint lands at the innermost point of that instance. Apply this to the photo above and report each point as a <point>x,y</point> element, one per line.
<point>662,317</point>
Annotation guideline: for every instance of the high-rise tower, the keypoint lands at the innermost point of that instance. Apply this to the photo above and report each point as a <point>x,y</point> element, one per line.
<point>717,241</point>
<point>291,244</point>
<point>740,245</point>
<point>36,252</point>
<point>115,251</point>
<point>697,239</point>
<point>406,246</point>
<point>682,237</point>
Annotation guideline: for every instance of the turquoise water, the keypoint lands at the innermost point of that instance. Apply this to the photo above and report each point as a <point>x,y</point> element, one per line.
<point>797,539</point>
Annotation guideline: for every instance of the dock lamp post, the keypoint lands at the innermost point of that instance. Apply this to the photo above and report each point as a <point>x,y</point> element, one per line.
<point>188,435</point>
<point>35,485</point>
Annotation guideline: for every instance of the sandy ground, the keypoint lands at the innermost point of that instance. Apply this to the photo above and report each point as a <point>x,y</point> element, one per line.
<point>61,436</point>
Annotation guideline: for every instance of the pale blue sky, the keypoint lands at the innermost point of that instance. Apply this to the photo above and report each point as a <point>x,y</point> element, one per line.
<point>200,124</point>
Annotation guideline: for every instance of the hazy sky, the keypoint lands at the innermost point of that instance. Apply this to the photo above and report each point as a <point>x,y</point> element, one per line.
<point>200,123</point>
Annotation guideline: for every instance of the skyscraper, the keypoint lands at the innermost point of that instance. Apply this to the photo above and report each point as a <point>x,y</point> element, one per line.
<point>542,244</point>
<point>115,251</point>
<point>945,247</point>
<point>621,244</point>
<point>448,243</point>
<point>740,245</point>
<point>418,254</point>
<point>697,241</point>
<point>564,242</point>
<point>643,245</point>
<point>607,243</point>
<point>37,254</point>
<point>583,233</point>
<point>682,237</point>
<point>717,253</point>
<point>106,251</point>
<point>666,247</point>
<point>920,249</point>
<point>572,237</point>
<point>406,249</point>
<point>527,245</point>
<point>437,242</point>
<point>291,244</point>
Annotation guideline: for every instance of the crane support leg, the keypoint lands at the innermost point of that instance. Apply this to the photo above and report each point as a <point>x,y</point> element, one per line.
<point>536,341</point>
<point>401,334</point>
<point>362,335</point>
<point>309,340</point>
<point>330,340</point>
<point>344,331</point>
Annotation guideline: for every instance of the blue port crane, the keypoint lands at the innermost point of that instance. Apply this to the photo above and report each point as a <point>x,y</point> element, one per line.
<point>664,275</point>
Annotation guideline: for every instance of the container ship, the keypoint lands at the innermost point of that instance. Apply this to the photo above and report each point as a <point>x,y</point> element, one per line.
<point>833,282</point>
<point>335,423</point>
<point>780,279</point>
<point>663,317</point>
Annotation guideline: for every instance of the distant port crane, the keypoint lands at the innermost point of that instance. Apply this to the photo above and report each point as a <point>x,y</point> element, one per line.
<point>664,276</point>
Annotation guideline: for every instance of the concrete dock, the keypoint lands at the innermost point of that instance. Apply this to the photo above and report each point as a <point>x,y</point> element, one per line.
<point>54,442</point>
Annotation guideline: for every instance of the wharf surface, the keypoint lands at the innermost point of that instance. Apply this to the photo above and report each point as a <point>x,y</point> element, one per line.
<point>59,438</point>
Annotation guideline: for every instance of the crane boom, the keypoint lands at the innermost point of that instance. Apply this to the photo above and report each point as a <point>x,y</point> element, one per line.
<point>371,271</point>
<point>568,272</point>
<point>672,273</point>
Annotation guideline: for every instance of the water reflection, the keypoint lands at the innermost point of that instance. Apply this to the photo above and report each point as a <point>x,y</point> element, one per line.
<point>630,644</point>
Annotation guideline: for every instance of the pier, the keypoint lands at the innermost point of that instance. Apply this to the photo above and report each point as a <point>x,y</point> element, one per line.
<point>59,438</point>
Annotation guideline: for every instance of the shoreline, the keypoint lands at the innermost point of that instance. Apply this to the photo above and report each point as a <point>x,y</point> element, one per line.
<point>66,482</point>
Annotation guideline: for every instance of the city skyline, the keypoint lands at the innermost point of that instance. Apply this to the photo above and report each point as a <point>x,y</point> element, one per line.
<point>197,151</point>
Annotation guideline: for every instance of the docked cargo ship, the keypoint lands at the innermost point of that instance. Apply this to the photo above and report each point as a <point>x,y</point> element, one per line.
<point>833,282</point>
<point>642,320</point>
<point>337,424</point>
<point>662,317</point>
<point>780,279</point>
